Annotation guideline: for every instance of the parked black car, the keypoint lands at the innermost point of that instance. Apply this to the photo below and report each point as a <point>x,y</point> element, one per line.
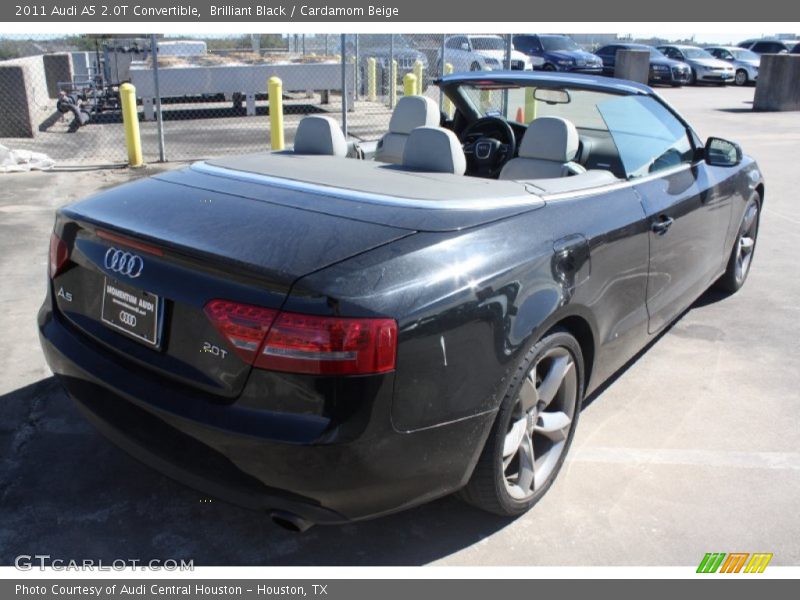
<point>551,52</point>
<point>662,69</point>
<point>325,339</point>
<point>769,46</point>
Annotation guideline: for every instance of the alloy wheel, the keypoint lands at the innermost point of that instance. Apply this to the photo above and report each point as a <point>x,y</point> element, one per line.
<point>741,77</point>
<point>540,423</point>
<point>747,241</point>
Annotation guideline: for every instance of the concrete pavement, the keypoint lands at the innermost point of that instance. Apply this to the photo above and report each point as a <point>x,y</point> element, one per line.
<point>693,448</point>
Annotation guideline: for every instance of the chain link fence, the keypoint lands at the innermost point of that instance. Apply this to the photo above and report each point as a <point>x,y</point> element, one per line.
<point>61,96</point>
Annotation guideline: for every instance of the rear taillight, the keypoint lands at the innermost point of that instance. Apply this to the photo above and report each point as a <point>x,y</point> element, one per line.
<point>329,345</point>
<point>59,255</point>
<point>308,344</point>
<point>242,325</point>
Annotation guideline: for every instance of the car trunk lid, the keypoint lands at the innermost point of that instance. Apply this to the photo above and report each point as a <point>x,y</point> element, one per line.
<point>159,252</point>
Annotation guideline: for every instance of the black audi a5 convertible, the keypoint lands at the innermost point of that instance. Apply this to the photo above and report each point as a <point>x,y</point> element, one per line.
<point>332,333</point>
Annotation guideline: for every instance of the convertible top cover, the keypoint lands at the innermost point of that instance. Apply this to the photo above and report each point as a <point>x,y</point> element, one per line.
<point>369,177</point>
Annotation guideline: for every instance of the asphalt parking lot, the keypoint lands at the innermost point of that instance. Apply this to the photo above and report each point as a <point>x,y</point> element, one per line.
<point>693,448</point>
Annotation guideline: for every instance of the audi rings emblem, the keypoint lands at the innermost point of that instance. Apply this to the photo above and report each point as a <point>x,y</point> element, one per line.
<point>483,150</point>
<point>124,263</point>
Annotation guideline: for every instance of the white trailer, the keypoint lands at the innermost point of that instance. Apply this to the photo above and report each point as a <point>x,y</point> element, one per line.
<point>231,79</point>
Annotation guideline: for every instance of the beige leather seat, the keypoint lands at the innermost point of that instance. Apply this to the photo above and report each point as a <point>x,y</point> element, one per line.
<point>434,150</point>
<point>411,112</point>
<point>547,150</point>
<point>317,134</point>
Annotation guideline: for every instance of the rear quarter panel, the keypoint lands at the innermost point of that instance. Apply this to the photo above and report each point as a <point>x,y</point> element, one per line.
<point>470,303</point>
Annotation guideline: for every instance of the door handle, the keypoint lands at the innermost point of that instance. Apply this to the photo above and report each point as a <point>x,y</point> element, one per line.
<point>663,224</point>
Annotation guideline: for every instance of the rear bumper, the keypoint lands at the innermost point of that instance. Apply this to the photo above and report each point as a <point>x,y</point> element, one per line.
<point>259,459</point>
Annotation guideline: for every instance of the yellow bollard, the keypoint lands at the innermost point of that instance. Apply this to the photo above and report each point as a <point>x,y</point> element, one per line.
<point>371,77</point>
<point>418,69</point>
<point>530,105</point>
<point>276,113</point>
<point>448,105</point>
<point>130,120</point>
<point>486,100</point>
<point>393,86</point>
<point>409,84</point>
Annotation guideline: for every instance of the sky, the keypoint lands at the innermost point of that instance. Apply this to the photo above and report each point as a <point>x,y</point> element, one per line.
<point>730,37</point>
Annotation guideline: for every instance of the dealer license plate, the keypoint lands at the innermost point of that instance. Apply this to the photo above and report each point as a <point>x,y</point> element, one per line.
<point>132,311</point>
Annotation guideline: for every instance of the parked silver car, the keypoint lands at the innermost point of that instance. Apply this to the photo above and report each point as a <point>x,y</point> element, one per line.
<point>745,62</point>
<point>704,66</point>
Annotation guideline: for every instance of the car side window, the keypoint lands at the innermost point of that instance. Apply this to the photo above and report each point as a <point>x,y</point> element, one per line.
<point>767,47</point>
<point>649,138</point>
<point>455,43</point>
<point>536,44</point>
<point>522,44</point>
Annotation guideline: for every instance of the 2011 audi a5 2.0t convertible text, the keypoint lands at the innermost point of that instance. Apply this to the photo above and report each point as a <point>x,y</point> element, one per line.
<point>327,338</point>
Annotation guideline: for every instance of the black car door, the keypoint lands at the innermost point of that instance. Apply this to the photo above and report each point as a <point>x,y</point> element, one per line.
<point>608,54</point>
<point>688,220</point>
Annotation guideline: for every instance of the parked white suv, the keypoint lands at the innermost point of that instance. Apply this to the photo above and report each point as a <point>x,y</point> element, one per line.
<point>481,53</point>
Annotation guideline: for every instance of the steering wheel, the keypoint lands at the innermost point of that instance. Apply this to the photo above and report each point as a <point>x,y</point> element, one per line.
<point>486,154</point>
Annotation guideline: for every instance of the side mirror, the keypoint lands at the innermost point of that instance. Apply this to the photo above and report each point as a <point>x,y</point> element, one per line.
<point>722,153</point>
<point>465,47</point>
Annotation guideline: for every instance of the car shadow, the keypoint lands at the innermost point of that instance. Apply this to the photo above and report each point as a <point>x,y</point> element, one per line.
<point>67,492</point>
<point>740,109</point>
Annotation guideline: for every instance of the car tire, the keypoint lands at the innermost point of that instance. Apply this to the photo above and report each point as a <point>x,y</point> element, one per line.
<point>475,66</point>
<point>548,67</point>
<point>744,247</point>
<point>741,78</point>
<point>549,379</point>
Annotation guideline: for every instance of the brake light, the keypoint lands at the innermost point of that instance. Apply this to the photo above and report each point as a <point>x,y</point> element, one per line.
<point>130,243</point>
<point>329,345</point>
<point>307,344</point>
<point>59,255</point>
<point>242,325</point>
